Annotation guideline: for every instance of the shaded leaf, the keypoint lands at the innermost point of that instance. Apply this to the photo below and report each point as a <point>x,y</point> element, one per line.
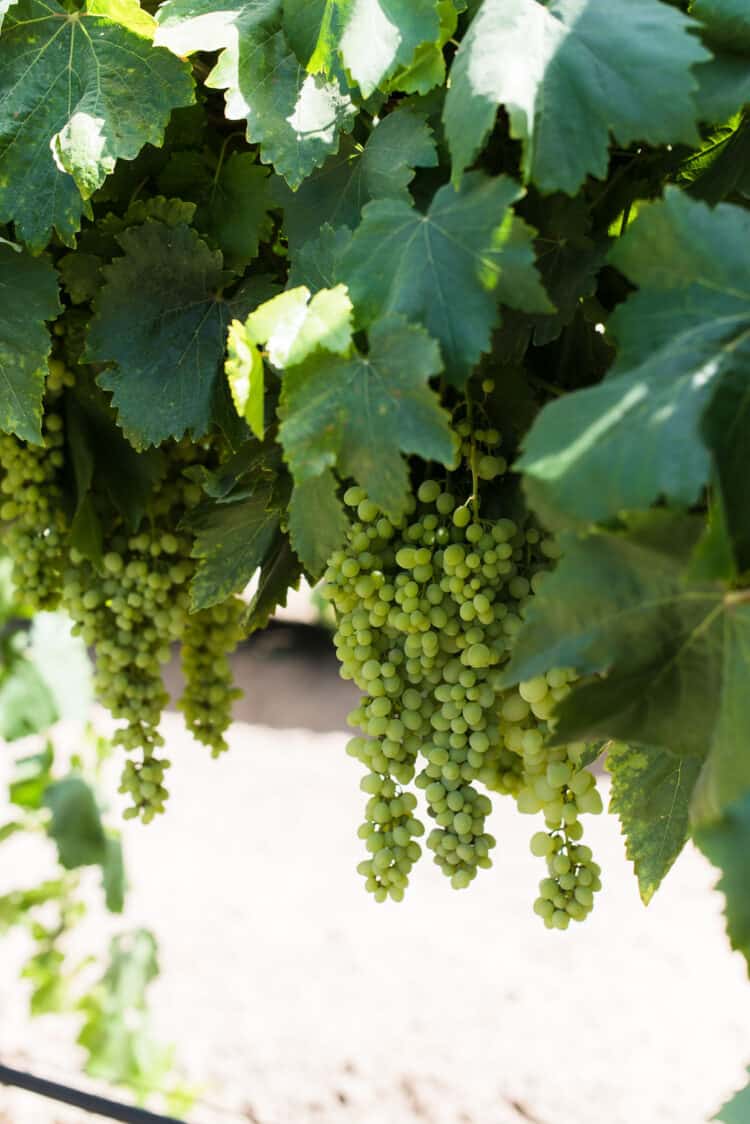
<point>28,297</point>
<point>448,269</point>
<point>381,169</point>
<point>232,540</point>
<point>281,572</point>
<point>553,67</point>
<point>161,319</point>
<point>316,263</point>
<point>317,520</point>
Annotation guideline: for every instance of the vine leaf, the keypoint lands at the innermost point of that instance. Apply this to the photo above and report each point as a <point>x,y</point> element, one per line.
<point>28,297</point>
<point>233,201</point>
<point>736,1111</point>
<point>236,213</point>
<point>726,843</point>
<point>665,661</point>
<point>448,268</point>
<point>281,571</point>
<point>316,264</point>
<point>232,539</point>
<point>76,825</point>
<point>67,110</point>
<point>651,790</point>
<point>565,89</point>
<point>427,68</point>
<point>292,326</point>
<point>161,320</point>
<point>724,81</point>
<point>678,391</point>
<point>371,37</point>
<point>244,371</point>
<point>381,169</point>
<point>295,117</point>
<point>361,412</point>
<point>317,520</point>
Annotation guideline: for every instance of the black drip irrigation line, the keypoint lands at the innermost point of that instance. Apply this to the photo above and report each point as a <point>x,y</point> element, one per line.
<point>112,1110</point>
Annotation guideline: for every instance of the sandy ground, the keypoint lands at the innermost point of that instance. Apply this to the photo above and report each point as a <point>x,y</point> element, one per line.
<point>294,999</point>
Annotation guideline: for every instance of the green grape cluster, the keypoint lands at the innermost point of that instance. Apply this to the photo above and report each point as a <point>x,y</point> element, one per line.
<point>427,609</point>
<point>132,612</point>
<point>130,603</point>
<point>32,512</point>
<point>208,639</point>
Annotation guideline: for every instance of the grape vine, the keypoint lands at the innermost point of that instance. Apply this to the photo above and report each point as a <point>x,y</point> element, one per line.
<point>445,305</point>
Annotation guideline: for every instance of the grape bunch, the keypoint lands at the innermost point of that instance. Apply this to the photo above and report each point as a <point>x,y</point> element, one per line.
<point>427,608</point>
<point>31,505</point>
<point>208,640</point>
<point>131,603</point>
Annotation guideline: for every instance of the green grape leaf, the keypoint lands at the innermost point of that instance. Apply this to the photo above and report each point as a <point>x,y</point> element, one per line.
<point>80,275</point>
<point>295,117</point>
<point>32,776</point>
<point>76,825</point>
<point>723,168</point>
<point>727,22</point>
<point>381,169</point>
<point>684,344</point>
<point>316,263</point>
<point>427,68</point>
<point>232,200</point>
<point>361,412</point>
<point>245,375</point>
<point>67,108</point>
<point>27,705</point>
<point>281,571</point>
<point>28,297</point>
<point>723,81</point>
<point>651,791</point>
<point>448,268</point>
<point>726,843</point>
<point>162,321</point>
<point>566,85</point>
<point>317,521</point>
<point>236,214</point>
<point>113,874</point>
<point>665,660</point>
<point>293,327</point>
<point>102,457</point>
<point>736,1111</point>
<point>371,37</point>
<point>232,539</point>
<point>568,258</point>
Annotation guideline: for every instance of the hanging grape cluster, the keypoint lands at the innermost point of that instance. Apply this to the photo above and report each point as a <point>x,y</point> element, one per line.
<point>427,609</point>
<point>131,604</point>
